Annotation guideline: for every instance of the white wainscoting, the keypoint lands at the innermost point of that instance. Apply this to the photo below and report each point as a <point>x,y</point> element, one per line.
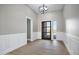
<point>11,42</point>
<point>60,35</point>
<point>39,35</point>
<point>72,43</point>
<point>36,35</point>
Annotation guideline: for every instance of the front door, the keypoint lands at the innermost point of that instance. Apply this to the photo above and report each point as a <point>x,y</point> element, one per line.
<point>46,30</point>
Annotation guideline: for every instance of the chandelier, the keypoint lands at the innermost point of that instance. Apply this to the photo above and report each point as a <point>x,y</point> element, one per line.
<point>43,9</point>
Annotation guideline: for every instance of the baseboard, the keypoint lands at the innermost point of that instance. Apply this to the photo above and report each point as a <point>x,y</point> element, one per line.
<point>11,42</point>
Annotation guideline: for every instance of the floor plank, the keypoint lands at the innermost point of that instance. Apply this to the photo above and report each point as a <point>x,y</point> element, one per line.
<point>42,47</point>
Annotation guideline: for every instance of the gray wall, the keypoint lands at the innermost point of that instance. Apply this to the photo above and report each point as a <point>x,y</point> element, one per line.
<point>13,18</point>
<point>71,15</point>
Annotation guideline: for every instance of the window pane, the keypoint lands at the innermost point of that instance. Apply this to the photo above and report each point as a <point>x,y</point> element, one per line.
<point>48,33</point>
<point>48,29</point>
<point>48,23</point>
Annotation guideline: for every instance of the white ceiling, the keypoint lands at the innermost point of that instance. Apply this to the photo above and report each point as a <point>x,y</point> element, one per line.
<point>51,7</point>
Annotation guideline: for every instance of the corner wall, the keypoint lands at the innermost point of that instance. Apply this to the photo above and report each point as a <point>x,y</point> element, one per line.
<point>71,16</point>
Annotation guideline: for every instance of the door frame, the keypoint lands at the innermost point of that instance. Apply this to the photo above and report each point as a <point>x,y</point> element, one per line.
<point>31,31</point>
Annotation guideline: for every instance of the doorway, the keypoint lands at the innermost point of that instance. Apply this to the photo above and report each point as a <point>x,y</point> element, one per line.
<point>49,29</point>
<point>28,29</point>
<point>46,30</point>
<point>54,29</point>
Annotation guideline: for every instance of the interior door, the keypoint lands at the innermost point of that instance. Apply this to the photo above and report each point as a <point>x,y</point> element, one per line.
<point>46,30</point>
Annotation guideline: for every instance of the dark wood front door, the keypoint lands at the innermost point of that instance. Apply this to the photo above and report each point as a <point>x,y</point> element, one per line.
<point>46,30</point>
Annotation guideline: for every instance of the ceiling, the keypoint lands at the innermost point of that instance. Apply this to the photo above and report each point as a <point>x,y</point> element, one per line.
<point>51,7</point>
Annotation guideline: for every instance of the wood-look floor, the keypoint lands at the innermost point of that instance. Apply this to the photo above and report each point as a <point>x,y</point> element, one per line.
<point>42,47</point>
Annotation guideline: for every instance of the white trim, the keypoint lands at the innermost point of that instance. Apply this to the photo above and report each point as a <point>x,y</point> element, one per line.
<point>31,20</point>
